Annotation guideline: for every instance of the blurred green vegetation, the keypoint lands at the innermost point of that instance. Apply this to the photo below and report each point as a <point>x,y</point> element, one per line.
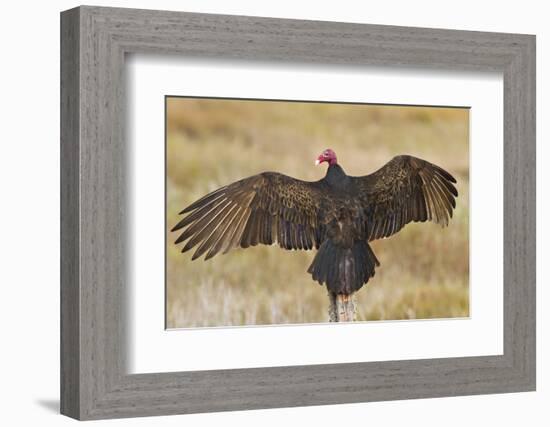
<point>424,270</point>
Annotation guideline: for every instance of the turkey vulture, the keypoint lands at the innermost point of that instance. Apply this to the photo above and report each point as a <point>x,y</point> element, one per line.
<point>338,215</point>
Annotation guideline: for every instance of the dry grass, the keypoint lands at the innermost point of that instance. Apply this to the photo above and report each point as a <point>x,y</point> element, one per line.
<point>425,269</point>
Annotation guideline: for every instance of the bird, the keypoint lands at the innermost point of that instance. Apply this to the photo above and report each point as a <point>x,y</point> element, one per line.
<point>338,215</point>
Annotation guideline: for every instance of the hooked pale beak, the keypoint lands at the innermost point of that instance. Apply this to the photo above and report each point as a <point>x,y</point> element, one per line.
<point>317,162</point>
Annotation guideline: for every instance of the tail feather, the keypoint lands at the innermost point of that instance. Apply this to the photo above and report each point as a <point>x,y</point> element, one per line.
<point>343,270</point>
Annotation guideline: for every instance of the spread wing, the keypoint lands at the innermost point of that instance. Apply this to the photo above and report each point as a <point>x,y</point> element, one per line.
<point>264,208</point>
<point>404,190</point>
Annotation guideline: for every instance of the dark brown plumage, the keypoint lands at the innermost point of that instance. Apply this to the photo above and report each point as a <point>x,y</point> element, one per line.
<point>338,215</point>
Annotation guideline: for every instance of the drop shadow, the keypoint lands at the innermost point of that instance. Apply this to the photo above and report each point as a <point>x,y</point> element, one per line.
<point>51,405</point>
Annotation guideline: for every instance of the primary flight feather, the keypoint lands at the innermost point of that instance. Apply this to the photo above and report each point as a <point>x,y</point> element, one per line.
<point>337,215</point>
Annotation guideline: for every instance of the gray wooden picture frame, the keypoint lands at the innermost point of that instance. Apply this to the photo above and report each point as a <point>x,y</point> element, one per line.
<point>94,381</point>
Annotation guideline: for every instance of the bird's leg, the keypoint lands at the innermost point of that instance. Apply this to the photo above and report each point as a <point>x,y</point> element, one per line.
<point>341,307</point>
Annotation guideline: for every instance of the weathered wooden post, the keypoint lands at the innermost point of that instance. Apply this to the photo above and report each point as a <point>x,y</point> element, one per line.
<point>341,307</point>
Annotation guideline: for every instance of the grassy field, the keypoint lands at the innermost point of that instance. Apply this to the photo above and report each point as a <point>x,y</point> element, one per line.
<point>424,270</point>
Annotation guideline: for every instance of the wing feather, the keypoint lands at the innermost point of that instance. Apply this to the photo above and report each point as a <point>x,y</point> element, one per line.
<point>262,209</point>
<point>406,189</point>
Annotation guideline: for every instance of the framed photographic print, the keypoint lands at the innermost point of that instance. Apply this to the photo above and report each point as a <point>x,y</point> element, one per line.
<point>262,213</point>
